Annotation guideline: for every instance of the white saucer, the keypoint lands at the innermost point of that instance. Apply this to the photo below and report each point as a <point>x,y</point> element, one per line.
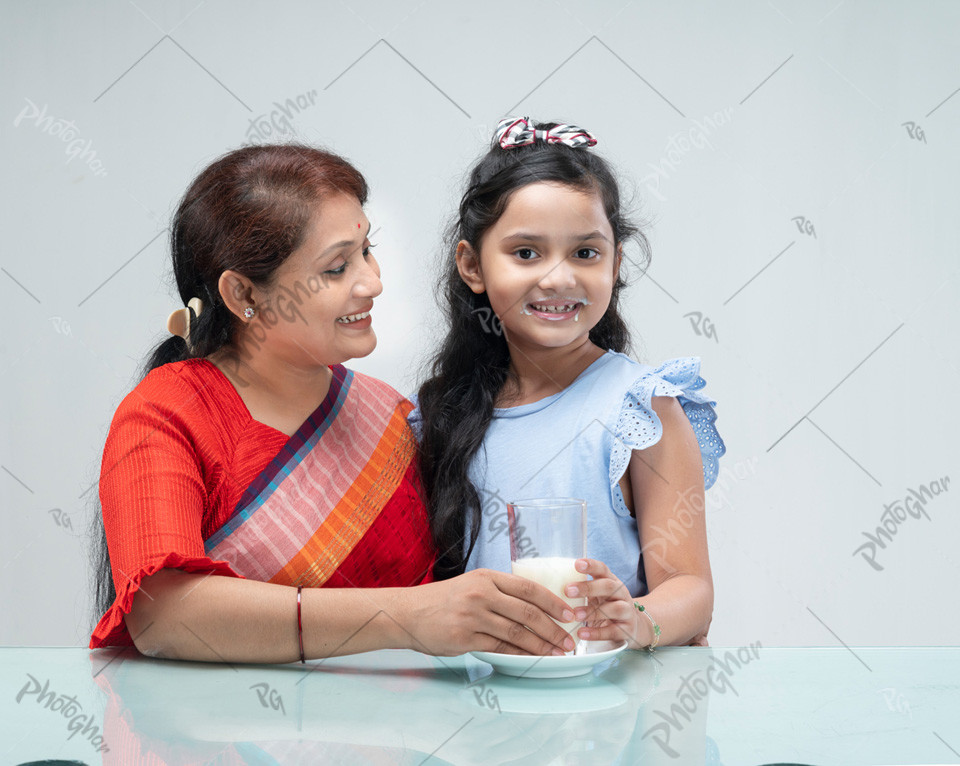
<point>525,666</point>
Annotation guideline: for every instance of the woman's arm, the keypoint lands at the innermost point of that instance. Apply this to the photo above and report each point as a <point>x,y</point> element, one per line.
<point>212,618</point>
<point>666,484</point>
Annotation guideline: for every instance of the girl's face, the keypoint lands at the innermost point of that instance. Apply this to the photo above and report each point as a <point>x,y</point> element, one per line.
<point>317,310</point>
<point>548,265</point>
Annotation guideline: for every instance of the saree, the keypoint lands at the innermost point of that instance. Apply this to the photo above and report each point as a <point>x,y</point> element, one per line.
<point>190,481</point>
<point>333,508</point>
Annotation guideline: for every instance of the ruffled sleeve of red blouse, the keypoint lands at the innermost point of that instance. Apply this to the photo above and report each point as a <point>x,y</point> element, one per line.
<point>153,492</point>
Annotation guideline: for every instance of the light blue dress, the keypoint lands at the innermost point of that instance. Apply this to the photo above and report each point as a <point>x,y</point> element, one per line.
<point>578,443</point>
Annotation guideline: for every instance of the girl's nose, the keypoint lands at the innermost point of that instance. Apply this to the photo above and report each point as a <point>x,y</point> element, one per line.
<point>558,276</point>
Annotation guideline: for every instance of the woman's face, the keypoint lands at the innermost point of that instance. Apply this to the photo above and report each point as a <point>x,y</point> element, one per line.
<point>317,311</point>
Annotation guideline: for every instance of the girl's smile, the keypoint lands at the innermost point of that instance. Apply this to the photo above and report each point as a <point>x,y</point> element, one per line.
<point>556,309</point>
<point>547,266</point>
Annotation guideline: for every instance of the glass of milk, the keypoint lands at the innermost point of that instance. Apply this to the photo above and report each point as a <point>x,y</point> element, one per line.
<point>547,536</point>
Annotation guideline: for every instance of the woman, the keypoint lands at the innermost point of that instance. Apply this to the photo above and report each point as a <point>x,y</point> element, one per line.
<point>260,501</point>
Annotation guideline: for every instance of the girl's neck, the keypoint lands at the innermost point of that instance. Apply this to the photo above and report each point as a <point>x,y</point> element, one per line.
<point>536,373</point>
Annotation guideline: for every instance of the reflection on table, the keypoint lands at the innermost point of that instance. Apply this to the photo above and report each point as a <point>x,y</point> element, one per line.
<point>677,706</point>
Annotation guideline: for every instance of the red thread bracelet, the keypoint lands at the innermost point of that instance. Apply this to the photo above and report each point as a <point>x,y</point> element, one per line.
<point>303,660</point>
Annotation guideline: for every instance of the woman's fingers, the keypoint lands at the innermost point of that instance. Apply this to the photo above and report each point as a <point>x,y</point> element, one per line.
<point>530,604</point>
<point>512,637</point>
<point>487,643</point>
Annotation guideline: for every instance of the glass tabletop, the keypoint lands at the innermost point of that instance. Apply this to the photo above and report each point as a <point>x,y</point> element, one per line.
<point>740,705</point>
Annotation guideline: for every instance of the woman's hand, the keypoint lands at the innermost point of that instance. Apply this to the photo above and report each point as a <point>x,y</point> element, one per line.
<point>484,611</point>
<point>609,614</point>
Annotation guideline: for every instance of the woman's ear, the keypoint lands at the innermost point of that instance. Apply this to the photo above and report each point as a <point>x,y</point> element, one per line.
<point>237,293</point>
<point>468,264</point>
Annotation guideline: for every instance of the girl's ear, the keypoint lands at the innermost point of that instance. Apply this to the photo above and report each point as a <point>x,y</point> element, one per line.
<point>237,292</point>
<point>468,264</point>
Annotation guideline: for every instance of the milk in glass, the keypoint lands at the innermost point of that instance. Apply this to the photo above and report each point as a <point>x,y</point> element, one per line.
<point>554,573</point>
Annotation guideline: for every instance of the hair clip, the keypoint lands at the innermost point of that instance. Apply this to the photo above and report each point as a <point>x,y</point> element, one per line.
<point>178,323</point>
<point>519,131</point>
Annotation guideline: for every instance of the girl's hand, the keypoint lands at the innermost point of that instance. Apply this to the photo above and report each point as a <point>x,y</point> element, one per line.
<point>609,614</point>
<point>485,611</point>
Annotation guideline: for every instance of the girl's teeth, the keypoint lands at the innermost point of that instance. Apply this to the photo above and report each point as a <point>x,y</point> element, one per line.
<point>555,309</point>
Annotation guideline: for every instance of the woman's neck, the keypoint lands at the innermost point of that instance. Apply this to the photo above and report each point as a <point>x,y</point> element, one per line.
<point>275,393</point>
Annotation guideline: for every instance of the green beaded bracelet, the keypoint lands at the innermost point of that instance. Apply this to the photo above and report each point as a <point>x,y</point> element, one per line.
<point>656,628</point>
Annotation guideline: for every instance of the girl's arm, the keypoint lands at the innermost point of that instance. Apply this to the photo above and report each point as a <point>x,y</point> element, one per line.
<point>667,483</point>
<point>178,615</point>
<point>667,487</point>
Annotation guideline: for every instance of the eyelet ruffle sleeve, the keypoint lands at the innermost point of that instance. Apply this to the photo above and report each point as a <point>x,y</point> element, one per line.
<point>638,426</point>
<point>414,418</point>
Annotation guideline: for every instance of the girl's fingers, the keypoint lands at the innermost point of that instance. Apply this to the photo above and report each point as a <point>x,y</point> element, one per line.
<point>616,631</point>
<point>618,611</point>
<point>593,567</point>
<point>604,589</point>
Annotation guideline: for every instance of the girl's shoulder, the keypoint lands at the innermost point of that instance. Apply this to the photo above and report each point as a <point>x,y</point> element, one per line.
<point>634,423</point>
<point>672,377</point>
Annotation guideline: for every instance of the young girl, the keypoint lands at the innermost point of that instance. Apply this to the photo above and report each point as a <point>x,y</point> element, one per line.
<point>540,400</point>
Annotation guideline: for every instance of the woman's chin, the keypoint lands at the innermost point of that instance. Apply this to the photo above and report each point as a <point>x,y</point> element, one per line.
<point>361,348</point>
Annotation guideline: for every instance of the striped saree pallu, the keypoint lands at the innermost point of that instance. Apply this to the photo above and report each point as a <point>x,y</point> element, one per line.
<point>342,489</point>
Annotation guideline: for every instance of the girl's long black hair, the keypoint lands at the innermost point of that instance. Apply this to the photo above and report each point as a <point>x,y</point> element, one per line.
<point>471,365</point>
<point>246,212</point>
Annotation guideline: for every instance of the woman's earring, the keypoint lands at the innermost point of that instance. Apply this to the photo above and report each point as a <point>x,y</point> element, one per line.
<point>248,312</point>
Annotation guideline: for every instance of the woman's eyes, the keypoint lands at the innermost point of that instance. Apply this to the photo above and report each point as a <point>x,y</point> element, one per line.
<point>342,269</point>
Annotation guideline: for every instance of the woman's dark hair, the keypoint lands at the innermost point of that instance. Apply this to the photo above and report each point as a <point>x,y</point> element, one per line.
<point>246,212</point>
<point>472,364</point>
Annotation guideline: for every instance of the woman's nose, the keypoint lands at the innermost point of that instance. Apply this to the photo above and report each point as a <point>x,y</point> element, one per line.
<point>369,285</point>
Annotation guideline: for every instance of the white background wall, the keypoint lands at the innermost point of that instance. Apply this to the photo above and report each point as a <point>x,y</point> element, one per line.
<point>833,355</point>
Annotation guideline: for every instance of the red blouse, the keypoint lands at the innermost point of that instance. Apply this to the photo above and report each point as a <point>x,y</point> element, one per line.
<point>182,449</point>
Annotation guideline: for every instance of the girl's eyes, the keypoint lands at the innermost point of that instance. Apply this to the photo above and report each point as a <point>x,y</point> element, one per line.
<point>584,253</point>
